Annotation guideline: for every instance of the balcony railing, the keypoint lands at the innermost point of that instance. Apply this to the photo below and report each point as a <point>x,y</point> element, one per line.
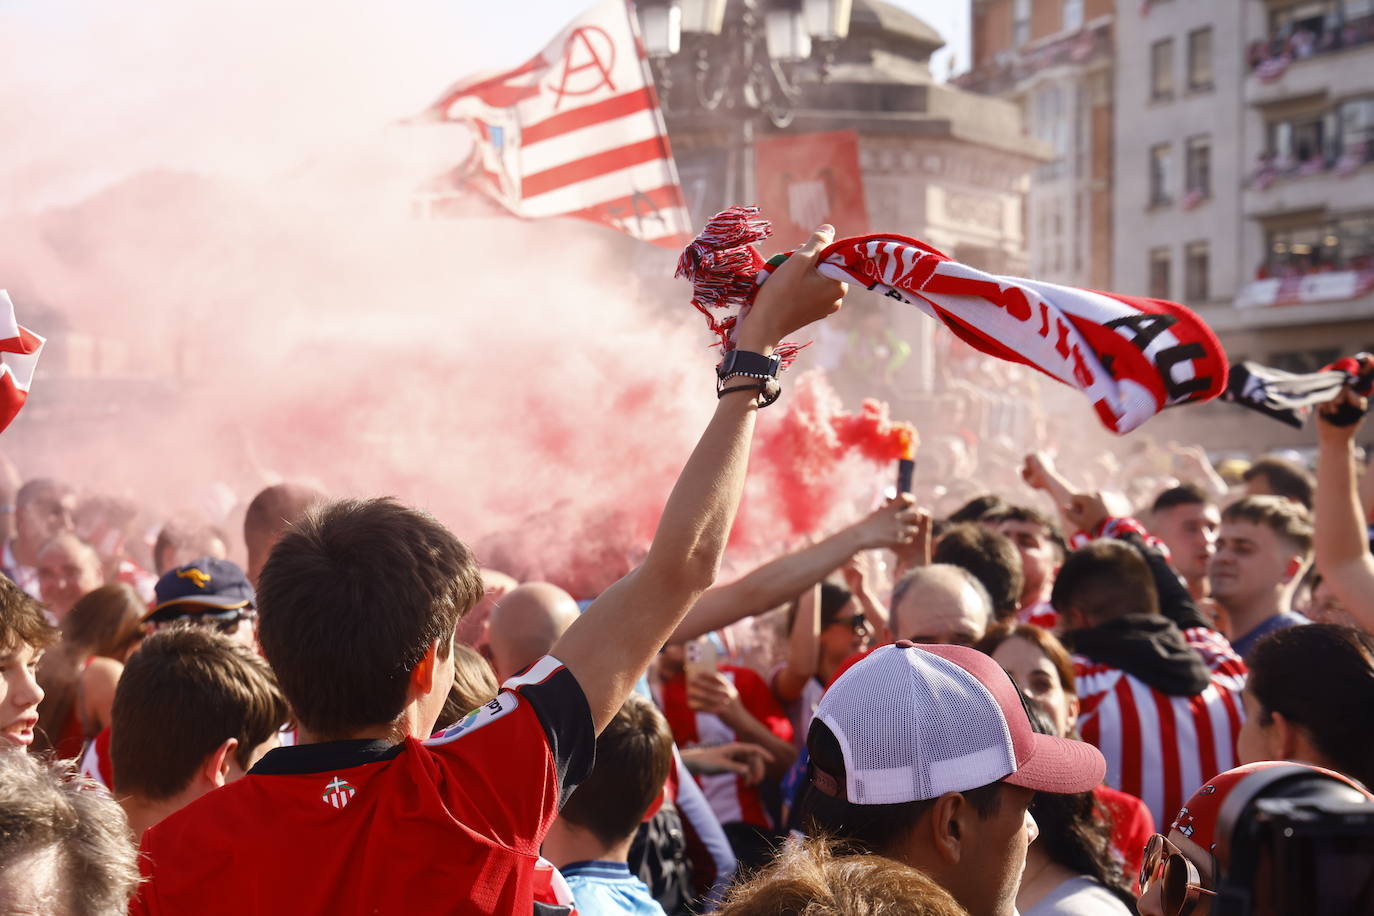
<point>1274,168</point>
<point>1269,60</point>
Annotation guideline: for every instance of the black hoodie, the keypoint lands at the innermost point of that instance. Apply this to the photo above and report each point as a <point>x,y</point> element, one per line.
<point>1151,647</point>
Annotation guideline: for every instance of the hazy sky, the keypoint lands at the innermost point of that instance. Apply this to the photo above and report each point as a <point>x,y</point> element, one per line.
<point>258,86</point>
<point>501,43</point>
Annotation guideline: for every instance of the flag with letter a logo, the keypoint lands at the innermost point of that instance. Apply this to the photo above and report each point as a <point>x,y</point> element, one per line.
<point>576,131</point>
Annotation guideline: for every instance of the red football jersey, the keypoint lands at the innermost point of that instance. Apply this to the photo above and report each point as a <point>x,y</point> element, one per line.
<point>448,825</point>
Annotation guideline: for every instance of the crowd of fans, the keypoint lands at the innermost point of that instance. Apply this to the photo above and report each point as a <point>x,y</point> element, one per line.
<point>1033,703</point>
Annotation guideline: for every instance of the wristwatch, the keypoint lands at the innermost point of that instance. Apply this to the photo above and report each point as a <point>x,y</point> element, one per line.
<point>743,363</point>
<point>753,365</point>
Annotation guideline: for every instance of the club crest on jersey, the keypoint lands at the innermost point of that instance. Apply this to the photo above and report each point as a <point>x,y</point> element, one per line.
<point>338,793</point>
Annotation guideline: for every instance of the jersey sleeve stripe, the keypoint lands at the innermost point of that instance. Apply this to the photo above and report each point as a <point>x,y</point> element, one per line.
<point>537,673</point>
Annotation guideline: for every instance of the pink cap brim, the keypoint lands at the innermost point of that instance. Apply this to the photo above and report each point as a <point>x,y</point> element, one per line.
<point>1061,766</point>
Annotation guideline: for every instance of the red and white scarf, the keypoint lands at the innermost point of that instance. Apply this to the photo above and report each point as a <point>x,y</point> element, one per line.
<point>1131,356</point>
<point>19,349</point>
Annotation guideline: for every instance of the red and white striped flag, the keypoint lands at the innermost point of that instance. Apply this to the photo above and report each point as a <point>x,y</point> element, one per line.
<point>576,131</point>
<point>19,349</point>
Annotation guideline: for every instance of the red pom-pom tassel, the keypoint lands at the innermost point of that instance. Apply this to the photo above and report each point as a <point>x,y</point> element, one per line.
<point>723,268</point>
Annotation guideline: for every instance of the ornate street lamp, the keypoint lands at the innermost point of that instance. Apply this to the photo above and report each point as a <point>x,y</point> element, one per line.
<point>757,64</point>
<point>746,58</point>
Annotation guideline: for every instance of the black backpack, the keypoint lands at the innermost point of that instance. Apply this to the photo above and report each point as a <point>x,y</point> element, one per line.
<point>658,857</point>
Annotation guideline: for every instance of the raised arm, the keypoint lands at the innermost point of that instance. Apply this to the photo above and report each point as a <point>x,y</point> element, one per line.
<point>1193,465</point>
<point>1343,556</point>
<point>1366,487</point>
<point>783,579</point>
<point>1039,473</point>
<point>612,643</point>
<point>803,648</point>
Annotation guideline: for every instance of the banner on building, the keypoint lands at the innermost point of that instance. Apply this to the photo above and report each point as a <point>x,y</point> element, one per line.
<point>804,180</point>
<point>575,131</point>
<point>1334,286</point>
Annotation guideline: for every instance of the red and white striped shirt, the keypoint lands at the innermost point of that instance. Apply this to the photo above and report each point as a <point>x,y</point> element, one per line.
<point>1041,614</point>
<point>1161,748</point>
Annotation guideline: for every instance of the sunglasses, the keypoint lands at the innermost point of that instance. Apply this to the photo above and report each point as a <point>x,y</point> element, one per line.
<point>226,622</point>
<point>1178,878</point>
<point>230,624</point>
<point>855,623</point>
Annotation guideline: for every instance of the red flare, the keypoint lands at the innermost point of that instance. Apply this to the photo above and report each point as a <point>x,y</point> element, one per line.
<point>808,451</point>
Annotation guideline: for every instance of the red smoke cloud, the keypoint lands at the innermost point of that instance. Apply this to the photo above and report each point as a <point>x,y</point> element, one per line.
<point>212,224</point>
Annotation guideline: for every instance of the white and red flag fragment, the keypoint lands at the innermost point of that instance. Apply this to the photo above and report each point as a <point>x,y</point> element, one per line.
<point>19,349</point>
<point>1130,356</point>
<point>576,131</point>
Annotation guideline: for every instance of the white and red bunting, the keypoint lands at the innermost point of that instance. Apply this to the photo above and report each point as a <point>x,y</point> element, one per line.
<point>576,131</point>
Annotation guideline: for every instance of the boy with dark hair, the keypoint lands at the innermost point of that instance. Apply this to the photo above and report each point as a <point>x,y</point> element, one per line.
<point>590,841</point>
<point>1186,520</point>
<point>1274,476</point>
<point>925,755</point>
<point>991,557</point>
<point>358,605</point>
<point>193,711</point>
<point>1041,545</point>
<point>24,633</point>
<point>1264,546</point>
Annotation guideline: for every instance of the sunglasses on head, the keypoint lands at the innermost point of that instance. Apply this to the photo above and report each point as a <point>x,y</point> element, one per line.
<point>1180,885</point>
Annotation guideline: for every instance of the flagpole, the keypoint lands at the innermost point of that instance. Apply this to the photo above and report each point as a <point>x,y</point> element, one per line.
<point>746,191</point>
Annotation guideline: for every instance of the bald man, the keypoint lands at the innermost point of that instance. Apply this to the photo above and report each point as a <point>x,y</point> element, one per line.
<point>68,568</point>
<point>525,624</point>
<point>472,629</point>
<point>940,604</point>
<point>271,512</point>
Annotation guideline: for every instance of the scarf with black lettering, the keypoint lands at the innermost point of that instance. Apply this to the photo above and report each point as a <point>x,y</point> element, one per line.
<point>1290,396</point>
<point>1131,357</point>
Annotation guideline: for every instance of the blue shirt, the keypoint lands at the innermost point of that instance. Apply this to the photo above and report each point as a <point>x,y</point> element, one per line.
<point>1280,621</point>
<point>608,888</point>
